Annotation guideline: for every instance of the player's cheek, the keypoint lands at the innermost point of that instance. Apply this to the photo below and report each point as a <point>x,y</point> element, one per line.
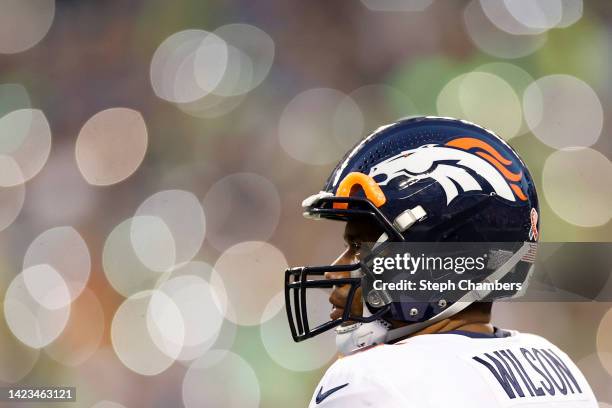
<point>339,296</point>
<point>337,275</point>
<point>357,305</point>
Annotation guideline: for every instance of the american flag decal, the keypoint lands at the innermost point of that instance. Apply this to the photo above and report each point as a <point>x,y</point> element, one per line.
<point>530,256</point>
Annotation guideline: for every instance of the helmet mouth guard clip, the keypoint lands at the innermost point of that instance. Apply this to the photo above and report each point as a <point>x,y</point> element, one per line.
<point>296,284</point>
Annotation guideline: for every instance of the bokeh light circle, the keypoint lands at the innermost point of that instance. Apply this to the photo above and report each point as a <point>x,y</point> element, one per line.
<point>537,14</point>
<point>212,380</point>
<point>10,172</point>
<point>219,333</point>
<point>111,145</point>
<point>493,41</point>
<point>248,265</point>
<point>276,337</point>
<point>315,118</point>
<point>29,320</point>
<point>153,242</point>
<point>29,143</point>
<point>572,12</point>
<point>82,335</point>
<point>563,111</point>
<point>575,184</point>
<point>379,104</point>
<point>241,207</point>
<point>397,5</point>
<point>499,14</point>
<point>201,309</point>
<point>14,125</point>
<point>145,344</point>
<point>482,98</point>
<point>16,358</point>
<point>604,340</point>
<point>188,65</point>
<point>12,97</point>
<point>12,198</point>
<point>47,286</point>
<point>65,250</point>
<point>123,267</point>
<point>183,215</point>
<point>250,57</point>
<point>23,23</point>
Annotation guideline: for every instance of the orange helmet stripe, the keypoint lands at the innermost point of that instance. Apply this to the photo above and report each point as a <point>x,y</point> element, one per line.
<point>466,143</point>
<point>506,173</point>
<point>370,187</point>
<point>519,193</point>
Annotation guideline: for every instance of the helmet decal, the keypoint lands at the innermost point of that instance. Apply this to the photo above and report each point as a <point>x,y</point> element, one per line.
<point>449,164</point>
<point>533,230</point>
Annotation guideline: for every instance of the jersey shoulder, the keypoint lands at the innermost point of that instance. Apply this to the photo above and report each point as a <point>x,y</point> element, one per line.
<point>356,381</point>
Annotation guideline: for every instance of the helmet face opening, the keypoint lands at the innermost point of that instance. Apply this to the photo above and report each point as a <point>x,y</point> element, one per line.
<point>419,180</point>
<point>296,284</point>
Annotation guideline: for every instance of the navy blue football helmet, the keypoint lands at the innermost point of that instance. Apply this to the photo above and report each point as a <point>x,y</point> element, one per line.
<point>424,179</point>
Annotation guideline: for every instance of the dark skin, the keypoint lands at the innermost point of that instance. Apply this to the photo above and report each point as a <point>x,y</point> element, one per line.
<point>472,319</point>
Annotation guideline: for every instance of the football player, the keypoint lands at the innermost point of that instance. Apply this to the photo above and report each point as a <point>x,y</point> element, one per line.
<point>430,179</point>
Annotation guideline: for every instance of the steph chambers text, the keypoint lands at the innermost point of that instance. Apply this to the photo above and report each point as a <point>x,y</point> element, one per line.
<point>464,284</point>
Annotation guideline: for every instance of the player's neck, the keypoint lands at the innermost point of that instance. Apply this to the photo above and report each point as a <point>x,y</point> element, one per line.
<point>467,321</point>
<point>447,325</point>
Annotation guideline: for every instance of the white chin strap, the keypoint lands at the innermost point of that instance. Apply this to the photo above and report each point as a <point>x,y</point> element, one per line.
<point>358,336</point>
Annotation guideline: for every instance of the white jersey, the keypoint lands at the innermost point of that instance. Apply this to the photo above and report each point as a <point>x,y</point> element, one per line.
<point>456,369</point>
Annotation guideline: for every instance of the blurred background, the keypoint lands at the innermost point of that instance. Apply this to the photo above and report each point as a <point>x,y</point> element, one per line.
<point>154,156</point>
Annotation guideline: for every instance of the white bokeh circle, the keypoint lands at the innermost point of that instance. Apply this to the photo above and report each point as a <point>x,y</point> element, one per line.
<point>482,98</point>
<point>182,213</point>
<point>66,251</point>
<point>563,111</point>
<point>153,242</point>
<point>314,121</point>
<point>145,345</point>
<point>188,65</point>
<point>29,320</point>
<point>250,57</point>
<point>45,284</point>
<point>30,135</point>
<point>212,379</point>
<point>111,146</point>
<point>201,309</point>
<point>572,184</point>
<point>12,198</point>
<point>492,40</point>
<point>249,265</point>
<point>16,358</point>
<point>24,23</point>
<point>123,267</point>
<point>397,5</point>
<point>276,336</point>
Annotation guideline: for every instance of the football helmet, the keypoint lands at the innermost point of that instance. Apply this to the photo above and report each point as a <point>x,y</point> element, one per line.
<point>423,179</point>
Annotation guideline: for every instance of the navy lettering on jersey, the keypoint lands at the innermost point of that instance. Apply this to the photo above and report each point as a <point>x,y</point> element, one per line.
<point>532,373</point>
<point>503,374</point>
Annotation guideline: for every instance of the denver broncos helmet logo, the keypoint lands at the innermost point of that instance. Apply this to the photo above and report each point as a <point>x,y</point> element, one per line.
<point>447,164</point>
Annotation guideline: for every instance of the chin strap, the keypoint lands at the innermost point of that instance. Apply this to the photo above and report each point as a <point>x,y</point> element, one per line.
<point>358,336</point>
<point>466,300</point>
